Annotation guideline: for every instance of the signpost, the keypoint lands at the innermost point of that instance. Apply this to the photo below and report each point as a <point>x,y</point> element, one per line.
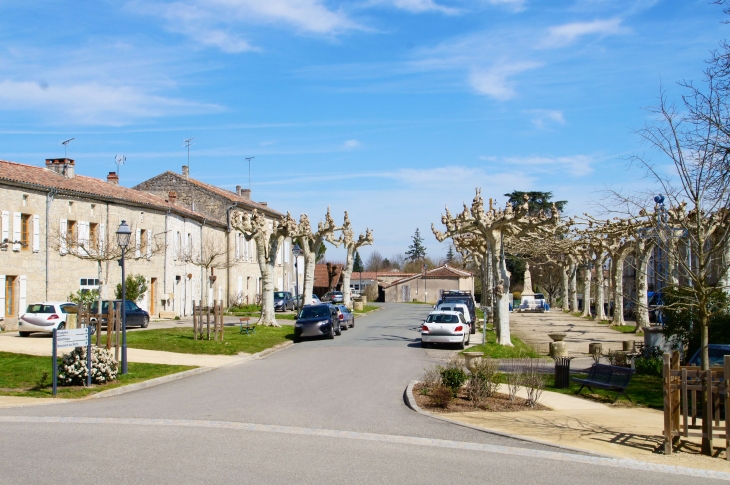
<point>64,339</point>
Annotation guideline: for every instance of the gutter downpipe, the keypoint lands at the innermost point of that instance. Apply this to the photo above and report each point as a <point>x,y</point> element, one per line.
<point>228,254</point>
<point>164,267</point>
<point>49,199</point>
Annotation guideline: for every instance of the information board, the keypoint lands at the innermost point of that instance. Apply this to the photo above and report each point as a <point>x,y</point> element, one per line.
<point>72,338</point>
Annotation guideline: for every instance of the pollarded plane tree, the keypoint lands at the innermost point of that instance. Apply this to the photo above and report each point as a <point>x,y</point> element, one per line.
<point>598,244</point>
<point>477,250</point>
<point>269,235</point>
<point>310,243</point>
<point>494,225</point>
<point>208,256</point>
<point>347,239</point>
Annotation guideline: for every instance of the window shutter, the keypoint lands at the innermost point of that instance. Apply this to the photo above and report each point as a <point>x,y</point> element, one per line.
<point>63,247</point>
<point>149,244</point>
<point>6,226</point>
<point>2,295</point>
<point>16,231</point>
<point>287,250</point>
<point>240,285</point>
<point>102,239</point>
<point>137,243</point>
<point>83,244</point>
<point>21,297</point>
<point>238,246</point>
<point>36,233</point>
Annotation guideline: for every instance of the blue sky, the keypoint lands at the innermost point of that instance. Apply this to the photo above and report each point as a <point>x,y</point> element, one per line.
<point>389,109</point>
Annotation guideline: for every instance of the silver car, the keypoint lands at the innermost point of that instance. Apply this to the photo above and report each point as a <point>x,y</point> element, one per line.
<point>44,317</point>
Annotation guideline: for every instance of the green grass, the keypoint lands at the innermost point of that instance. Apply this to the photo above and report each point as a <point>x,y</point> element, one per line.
<point>492,349</point>
<point>181,340</point>
<point>366,309</point>
<point>644,391</point>
<point>625,329</point>
<point>418,303</point>
<point>23,375</point>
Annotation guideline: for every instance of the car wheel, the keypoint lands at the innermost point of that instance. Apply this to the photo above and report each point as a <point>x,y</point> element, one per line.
<point>145,322</point>
<point>353,321</point>
<point>424,345</point>
<point>473,328</point>
<point>461,345</point>
<point>61,326</point>
<point>332,332</point>
<point>339,330</point>
<point>297,340</point>
<point>24,334</point>
<point>468,339</point>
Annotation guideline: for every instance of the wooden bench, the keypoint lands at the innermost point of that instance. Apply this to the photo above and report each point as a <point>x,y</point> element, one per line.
<point>246,326</point>
<point>608,377</point>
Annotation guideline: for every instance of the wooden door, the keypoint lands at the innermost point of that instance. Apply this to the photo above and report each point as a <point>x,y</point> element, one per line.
<point>153,296</point>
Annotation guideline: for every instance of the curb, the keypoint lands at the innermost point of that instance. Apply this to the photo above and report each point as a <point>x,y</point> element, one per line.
<point>411,403</point>
<point>271,350</point>
<point>150,383</point>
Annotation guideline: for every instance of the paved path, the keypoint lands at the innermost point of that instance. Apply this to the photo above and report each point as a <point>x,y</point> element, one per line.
<point>323,411</point>
<point>534,328</point>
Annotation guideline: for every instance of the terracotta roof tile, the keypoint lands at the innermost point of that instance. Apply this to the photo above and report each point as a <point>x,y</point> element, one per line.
<point>321,278</point>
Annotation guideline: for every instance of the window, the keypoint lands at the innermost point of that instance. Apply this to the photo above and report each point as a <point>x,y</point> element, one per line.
<point>93,236</point>
<point>143,243</point>
<point>71,233</point>
<point>10,295</point>
<point>70,207</point>
<point>93,206</point>
<point>25,200</point>
<point>25,228</point>
<point>141,217</point>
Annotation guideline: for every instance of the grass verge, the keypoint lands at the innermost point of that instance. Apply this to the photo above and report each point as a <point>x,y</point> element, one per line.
<point>626,329</point>
<point>644,391</point>
<point>181,340</point>
<point>492,349</point>
<point>366,309</point>
<point>30,376</point>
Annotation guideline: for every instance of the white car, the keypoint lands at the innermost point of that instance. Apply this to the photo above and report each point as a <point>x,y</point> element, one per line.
<point>450,306</point>
<point>445,327</point>
<point>44,317</point>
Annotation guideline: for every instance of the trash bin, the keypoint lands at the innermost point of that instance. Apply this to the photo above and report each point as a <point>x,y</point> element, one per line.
<point>562,372</point>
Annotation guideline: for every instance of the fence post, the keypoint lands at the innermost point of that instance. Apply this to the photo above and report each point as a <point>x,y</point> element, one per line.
<point>207,321</point>
<point>726,378</point>
<point>195,322</point>
<point>666,382</point>
<point>707,414</point>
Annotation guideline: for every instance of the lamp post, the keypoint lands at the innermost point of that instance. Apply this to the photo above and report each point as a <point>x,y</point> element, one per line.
<point>296,251</point>
<point>123,235</point>
<point>425,285</point>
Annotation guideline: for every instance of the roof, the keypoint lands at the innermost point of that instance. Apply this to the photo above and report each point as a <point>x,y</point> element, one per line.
<point>321,278</point>
<point>41,177</point>
<point>227,194</point>
<point>374,275</point>
<point>441,272</point>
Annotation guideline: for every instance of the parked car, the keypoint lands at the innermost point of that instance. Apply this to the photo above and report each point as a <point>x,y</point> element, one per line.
<point>655,303</point>
<point>717,355</point>
<point>315,300</point>
<point>44,317</point>
<point>316,321</point>
<point>136,317</point>
<point>461,308</point>
<point>345,316</point>
<point>333,297</point>
<point>458,296</point>
<point>443,327</point>
<point>283,301</point>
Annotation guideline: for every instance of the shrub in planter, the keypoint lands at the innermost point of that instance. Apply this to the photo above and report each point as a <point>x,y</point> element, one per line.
<point>453,377</point>
<point>441,396</point>
<point>72,369</point>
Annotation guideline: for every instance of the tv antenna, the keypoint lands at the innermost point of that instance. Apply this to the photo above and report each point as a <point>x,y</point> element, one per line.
<point>188,142</point>
<point>65,146</point>
<point>119,160</point>
<point>248,159</point>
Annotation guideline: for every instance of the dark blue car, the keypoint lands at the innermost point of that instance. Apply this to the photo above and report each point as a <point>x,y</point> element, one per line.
<point>717,353</point>
<point>136,317</point>
<point>317,321</point>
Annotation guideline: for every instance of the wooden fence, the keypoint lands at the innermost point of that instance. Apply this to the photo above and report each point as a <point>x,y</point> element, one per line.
<point>683,389</point>
<point>113,327</point>
<point>201,313</point>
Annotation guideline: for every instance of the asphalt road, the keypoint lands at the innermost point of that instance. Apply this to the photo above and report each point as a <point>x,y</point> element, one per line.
<point>323,411</point>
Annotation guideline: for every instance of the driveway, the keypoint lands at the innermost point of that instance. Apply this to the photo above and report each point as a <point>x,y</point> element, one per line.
<point>323,411</point>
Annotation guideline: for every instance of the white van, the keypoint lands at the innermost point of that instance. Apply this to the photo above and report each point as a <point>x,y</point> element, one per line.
<point>458,307</point>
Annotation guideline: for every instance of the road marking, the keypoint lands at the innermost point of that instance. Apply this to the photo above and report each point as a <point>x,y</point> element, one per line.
<point>385,438</point>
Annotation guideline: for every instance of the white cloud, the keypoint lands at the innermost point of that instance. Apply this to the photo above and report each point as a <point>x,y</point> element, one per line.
<point>544,118</point>
<point>562,35</point>
<point>574,165</point>
<point>419,6</point>
<point>93,102</point>
<point>351,144</point>
<point>495,82</point>
<point>514,5</point>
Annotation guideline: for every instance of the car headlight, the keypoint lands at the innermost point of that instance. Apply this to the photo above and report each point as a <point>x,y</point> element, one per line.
<point>324,322</point>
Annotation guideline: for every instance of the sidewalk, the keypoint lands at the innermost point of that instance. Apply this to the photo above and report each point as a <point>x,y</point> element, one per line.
<point>620,432</point>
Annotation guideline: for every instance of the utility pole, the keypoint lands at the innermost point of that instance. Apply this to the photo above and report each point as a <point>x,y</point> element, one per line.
<point>248,159</point>
<point>188,142</point>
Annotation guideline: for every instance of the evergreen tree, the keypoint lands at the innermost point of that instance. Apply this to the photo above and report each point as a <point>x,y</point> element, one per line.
<point>538,201</point>
<point>450,256</point>
<point>387,264</point>
<point>416,251</point>
<point>357,266</point>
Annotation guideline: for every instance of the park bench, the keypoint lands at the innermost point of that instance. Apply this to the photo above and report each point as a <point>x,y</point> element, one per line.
<point>246,326</point>
<point>608,377</point>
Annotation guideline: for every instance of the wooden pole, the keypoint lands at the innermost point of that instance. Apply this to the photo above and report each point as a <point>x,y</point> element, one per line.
<point>707,415</point>
<point>666,373</point>
<point>195,321</point>
<point>207,321</point>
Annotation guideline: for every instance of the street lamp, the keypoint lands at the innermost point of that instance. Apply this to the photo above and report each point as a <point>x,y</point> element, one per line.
<point>425,285</point>
<point>123,235</point>
<point>296,251</point>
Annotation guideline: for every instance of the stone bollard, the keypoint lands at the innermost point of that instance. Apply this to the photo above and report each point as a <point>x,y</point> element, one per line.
<point>359,306</point>
<point>595,348</point>
<point>629,345</point>
<point>558,349</point>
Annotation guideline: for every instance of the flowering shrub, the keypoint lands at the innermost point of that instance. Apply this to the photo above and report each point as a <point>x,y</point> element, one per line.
<point>72,370</point>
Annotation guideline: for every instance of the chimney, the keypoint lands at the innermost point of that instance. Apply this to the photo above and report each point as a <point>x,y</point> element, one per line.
<point>113,178</point>
<point>62,166</point>
<point>172,197</point>
<point>185,171</point>
<point>245,193</point>
<point>265,204</point>
<point>238,190</point>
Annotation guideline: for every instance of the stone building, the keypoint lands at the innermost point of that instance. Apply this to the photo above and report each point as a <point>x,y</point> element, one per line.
<point>428,286</point>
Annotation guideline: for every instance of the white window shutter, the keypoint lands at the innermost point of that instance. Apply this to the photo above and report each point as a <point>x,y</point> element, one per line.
<point>240,285</point>
<point>287,250</point>
<point>2,295</point>
<point>63,248</point>
<point>238,246</point>
<point>16,231</point>
<point>6,226</point>
<point>149,244</point>
<point>21,295</point>
<point>102,239</point>
<point>83,238</point>
<point>36,233</point>
<point>137,243</point>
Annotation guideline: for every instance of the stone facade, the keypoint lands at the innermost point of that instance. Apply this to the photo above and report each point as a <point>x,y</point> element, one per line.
<point>428,287</point>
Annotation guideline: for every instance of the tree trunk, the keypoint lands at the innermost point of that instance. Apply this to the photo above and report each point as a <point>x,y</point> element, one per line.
<point>486,281</point>
<point>706,393</point>
<point>643,253</point>
<point>310,263</point>
<point>617,270</point>
<point>587,291</point>
<point>564,270</point>
<point>573,288</point>
<point>267,265</point>
<point>600,295</point>
<point>501,291</point>
<point>346,276</point>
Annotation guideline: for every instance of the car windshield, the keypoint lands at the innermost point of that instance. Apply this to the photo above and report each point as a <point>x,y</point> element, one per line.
<point>458,300</point>
<point>279,294</point>
<point>315,312</point>
<point>442,318</point>
<point>539,296</point>
<point>39,308</point>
